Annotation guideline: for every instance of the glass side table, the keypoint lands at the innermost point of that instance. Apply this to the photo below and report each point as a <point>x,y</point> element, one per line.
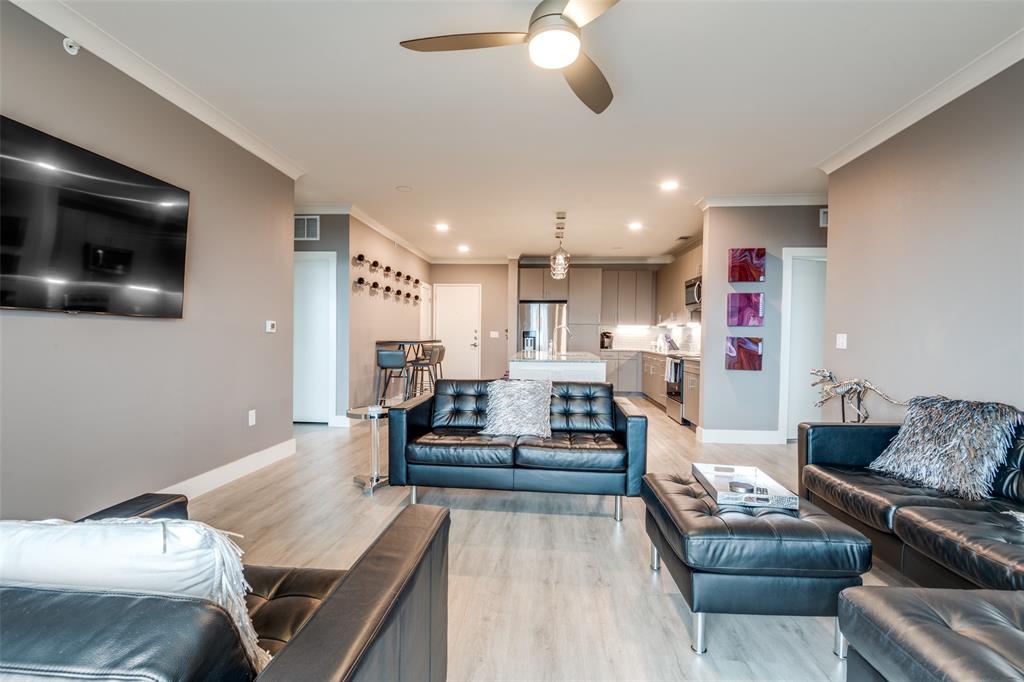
<point>373,413</point>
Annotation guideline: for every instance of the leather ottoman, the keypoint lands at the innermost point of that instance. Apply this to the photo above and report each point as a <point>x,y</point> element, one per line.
<point>747,560</point>
<point>922,635</point>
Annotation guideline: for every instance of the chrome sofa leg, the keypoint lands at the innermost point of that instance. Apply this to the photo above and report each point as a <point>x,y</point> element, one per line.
<point>655,559</point>
<point>412,494</point>
<point>698,644</point>
<point>618,507</point>
<point>840,645</point>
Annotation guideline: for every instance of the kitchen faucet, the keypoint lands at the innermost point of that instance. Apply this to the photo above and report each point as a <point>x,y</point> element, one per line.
<point>566,327</point>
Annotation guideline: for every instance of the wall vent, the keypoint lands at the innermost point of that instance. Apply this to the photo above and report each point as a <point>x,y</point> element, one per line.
<point>307,228</point>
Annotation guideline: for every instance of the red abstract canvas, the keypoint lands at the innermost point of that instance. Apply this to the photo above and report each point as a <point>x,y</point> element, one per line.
<point>745,310</point>
<point>746,265</point>
<point>743,352</point>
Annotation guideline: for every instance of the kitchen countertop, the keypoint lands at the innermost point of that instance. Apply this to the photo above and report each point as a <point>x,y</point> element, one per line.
<point>671,354</point>
<point>541,356</point>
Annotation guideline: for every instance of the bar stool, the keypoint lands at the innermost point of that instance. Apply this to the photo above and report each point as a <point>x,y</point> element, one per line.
<point>440,359</point>
<point>391,364</point>
<point>424,368</point>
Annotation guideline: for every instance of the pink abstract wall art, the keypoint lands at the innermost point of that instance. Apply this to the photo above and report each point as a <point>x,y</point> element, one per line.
<point>746,265</point>
<point>743,352</point>
<point>745,310</point>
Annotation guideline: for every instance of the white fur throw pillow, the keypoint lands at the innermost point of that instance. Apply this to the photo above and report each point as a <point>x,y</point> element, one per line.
<point>149,556</point>
<point>518,407</point>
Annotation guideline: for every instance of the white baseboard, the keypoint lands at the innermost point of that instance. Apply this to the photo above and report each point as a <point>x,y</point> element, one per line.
<point>215,478</point>
<point>740,437</point>
<point>339,422</point>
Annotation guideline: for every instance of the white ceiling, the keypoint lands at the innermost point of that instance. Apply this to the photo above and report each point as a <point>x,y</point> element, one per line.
<point>730,98</point>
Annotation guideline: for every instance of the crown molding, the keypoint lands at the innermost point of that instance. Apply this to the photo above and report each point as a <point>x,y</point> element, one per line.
<point>816,199</point>
<point>69,22</point>
<point>323,209</point>
<point>601,260</point>
<point>370,222</point>
<point>1002,56</point>
<point>469,261</point>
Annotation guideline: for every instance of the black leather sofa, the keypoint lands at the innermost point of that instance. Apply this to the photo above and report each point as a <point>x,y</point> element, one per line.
<point>932,538</point>
<point>598,444</point>
<point>383,619</point>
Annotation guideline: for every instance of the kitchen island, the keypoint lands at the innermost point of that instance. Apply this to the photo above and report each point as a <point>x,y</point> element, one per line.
<point>556,366</point>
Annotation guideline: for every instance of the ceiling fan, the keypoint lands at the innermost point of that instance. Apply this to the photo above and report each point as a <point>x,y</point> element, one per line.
<point>553,37</point>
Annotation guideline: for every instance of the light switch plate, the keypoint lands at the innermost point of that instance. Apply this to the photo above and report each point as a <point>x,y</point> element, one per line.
<point>270,326</point>
<point>252,417</point>
<point>494,334</point>
<point>841,341</point>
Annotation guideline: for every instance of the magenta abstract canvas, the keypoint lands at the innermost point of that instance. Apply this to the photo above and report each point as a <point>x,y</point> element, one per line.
<point>743,352</point>
<point>746,265</point>
<point>745,310</point>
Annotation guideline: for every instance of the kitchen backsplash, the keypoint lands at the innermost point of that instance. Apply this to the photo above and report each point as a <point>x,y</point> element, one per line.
<point>686,337</point>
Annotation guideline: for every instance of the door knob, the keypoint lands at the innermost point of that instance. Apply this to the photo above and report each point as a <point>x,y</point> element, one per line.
<point>474,345</point>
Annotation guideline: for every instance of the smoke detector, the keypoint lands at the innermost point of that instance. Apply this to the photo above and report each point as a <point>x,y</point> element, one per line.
<point>71,47</point>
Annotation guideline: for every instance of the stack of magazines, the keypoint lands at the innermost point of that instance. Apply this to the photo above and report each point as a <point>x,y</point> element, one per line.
<point>746,486</point>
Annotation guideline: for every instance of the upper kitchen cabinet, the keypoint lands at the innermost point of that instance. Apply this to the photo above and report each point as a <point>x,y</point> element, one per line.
<point>671,280</point>
<point>585,296</point>
<point>645,297</point>
<point>627,297</point>
<point>609,297</point>
<point>555,289</point>
<point>531,284</point>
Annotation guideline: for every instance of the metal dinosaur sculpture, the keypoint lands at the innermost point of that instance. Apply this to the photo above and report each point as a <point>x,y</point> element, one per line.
<point>850,392</point>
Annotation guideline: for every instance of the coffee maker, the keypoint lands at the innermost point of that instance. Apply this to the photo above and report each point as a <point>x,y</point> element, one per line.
<point>607,340</point>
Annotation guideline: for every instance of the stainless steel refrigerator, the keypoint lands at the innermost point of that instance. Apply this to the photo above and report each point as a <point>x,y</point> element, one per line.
<point>543,326</point>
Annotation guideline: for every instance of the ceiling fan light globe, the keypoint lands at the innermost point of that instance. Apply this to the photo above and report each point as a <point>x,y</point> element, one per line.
<point>554,48</point>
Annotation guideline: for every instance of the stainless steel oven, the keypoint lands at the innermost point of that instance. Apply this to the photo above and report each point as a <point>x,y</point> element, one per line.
<point>673,389</point>
<point>693,293</point>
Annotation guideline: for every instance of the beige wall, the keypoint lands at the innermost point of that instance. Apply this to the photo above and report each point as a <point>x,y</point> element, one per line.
<point>374,316</point>
<point>746,400</point>
<point>926,242</point>
<point>96,409</point>
<point>494,284</point>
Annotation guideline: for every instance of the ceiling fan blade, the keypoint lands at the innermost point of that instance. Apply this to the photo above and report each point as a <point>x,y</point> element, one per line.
<point>589,84</point>
<point>464,41</point>
<point>582,12</point>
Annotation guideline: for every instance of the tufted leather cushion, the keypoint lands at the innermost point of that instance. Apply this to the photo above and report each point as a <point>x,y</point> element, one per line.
<point>461,447</point>
<point>571,451</point>
<point>749,540</point>
<point>874,498</point>
<point>985,547</point>
<point>460,404</point>
<point>581,407</point>
<point>929,635</point>
<point>1009,482</point>
<point>283,599</point>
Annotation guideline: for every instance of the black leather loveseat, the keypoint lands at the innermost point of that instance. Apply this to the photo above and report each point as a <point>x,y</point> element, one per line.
<point>932,538</point>
<point>386,618</point>
<point>598,444</point>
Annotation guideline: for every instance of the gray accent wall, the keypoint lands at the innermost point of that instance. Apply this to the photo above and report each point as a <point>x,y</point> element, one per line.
<point>746,400</point>
<point>926,244</point>
<point>96,409</point>
<point>334,237</point>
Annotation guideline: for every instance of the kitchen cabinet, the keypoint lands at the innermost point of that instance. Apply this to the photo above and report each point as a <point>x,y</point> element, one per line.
<point>531,284</point>
<point>611,370</point>
<point>644,297</point>
<point>555,289</point>
<point>627,297</point>
<point>628,372</point>
<point>653,377</point>
<point>691,391</point>
<point>609,297</point>
<point>585,337</point>
<point>671,281</point>
<point>585,299</point>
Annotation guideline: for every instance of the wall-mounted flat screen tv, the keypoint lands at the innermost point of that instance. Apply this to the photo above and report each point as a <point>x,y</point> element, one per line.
<point>82,233</point>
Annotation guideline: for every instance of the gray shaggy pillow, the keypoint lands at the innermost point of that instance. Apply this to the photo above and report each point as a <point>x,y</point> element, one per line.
<point>518,407</point>
<point>955,446</point>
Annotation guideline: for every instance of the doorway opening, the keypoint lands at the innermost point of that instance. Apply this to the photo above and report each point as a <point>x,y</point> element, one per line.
<point>314,376</point>
<point>803,336</point>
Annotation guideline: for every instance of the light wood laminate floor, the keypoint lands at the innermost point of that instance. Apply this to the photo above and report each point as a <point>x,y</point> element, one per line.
<point>542,586</point>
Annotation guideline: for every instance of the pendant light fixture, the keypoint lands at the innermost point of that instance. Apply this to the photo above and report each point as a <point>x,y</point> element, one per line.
<point>560,257</point>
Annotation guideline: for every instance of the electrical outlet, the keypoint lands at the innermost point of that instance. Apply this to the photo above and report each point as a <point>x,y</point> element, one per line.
<point>270,327</point>
<point>252,417</point>
<point>841,341</point>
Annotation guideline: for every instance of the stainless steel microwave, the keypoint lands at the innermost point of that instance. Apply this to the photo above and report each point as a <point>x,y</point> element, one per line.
<point>693,293</point>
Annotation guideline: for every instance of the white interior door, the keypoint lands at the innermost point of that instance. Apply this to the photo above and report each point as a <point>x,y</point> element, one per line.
<point>315,315</point>
<point>426,311</point>
<point>803,336</point>
<point>457,324</point>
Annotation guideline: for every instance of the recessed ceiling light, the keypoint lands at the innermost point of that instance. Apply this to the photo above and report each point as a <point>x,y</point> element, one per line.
<point>636,226</point>
<point>669,185</point>
<point>403,188</point>
<point>463,248</point>
<point>441,227</point>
